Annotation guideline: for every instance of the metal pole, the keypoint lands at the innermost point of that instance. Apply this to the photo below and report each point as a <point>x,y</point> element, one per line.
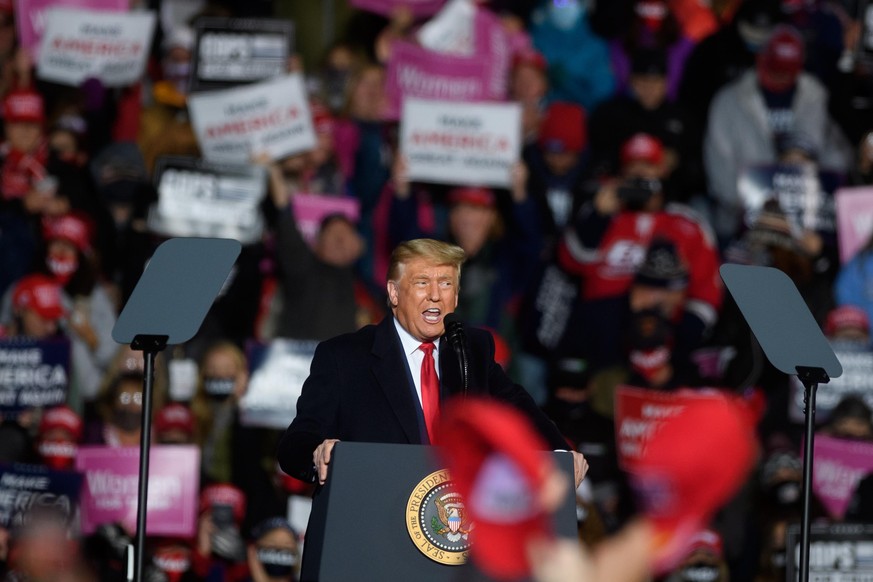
<point>809,444</point>
<point>144,444</point>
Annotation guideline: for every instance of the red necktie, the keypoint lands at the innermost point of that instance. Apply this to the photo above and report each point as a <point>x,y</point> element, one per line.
<point>430,389</point>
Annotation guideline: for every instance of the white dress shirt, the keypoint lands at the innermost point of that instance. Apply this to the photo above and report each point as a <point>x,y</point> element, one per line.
<point>414,356</point>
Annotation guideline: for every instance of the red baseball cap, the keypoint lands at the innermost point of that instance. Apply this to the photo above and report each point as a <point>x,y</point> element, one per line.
<point>497,465</point>
<point>472,195</point>
<point>23,106</point>
<point>175,417</point>
<point>781,60</point>
<point>68,227</point>
<point>224,494</point>
<point>7,6</point>
<point>847,316</point>
<point>679,480</point>
<point>563,128</point>
<point>706,540</point>
<point>64,418</point>
<point>40,293</point>
<point>642,147</point>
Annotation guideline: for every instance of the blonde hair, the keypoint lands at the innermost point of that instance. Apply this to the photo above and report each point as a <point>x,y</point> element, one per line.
<point>440,253</point>
<point>203,417</point>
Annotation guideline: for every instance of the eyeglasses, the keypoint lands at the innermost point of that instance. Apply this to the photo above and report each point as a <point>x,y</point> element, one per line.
<point>128,397</point>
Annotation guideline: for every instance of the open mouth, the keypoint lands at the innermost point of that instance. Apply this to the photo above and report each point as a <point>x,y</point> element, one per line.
<point>432,315</point>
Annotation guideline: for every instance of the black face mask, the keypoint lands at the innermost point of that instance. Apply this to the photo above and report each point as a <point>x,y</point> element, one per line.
<point>700,573</point>
<point>219,388</point>
<point>277,563</point>
<point>127,420</point>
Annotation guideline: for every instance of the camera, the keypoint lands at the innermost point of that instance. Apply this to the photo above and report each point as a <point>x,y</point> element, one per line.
<point>634,193</point>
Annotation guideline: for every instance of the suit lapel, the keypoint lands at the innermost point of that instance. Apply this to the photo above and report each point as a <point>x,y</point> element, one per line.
<point>391,371</point>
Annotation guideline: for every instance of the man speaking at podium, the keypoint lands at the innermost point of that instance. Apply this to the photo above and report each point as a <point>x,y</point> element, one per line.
<point>384,383</point>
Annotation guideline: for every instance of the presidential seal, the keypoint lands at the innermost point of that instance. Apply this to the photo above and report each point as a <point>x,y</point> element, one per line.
<point>437,520</point>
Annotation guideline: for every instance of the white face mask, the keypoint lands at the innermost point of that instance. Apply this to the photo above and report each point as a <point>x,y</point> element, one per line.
<point>564,14</point>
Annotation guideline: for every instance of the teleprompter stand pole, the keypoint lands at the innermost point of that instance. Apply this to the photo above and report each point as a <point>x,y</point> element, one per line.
<point>810,378</point>
<point>150,345</point>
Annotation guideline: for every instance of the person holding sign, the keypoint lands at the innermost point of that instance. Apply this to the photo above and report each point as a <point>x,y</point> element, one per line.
<point>386,383</point>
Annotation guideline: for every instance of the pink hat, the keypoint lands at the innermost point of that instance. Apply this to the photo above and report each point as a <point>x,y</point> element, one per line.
<point>642,147</point>
<point>40,293</point>
<point>23,106</point>
<point>497,466</point>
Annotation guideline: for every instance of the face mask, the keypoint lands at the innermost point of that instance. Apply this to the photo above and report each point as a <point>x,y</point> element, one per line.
<point>777,560</point>
<point>277,563</point>
<point>176,71</point>
<point>564,14</point>
<point>58,454</point>
<point>62,267</point>
<point>173,563</point>
<point>127,420</point>
<point>650,363</point>
<point>219,388</point>
<point>700,573</point>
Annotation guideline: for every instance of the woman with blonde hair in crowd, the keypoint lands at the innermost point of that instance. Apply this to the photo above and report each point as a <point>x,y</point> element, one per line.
<point>223,381</point>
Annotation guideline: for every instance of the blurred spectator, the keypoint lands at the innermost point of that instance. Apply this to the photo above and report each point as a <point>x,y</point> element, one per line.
<point>725,55</point>
<point>220,553</point>
<point>850,419</point>
<point>848,324</point>
<point>579,69</point>
<point>171,562</point>
<point>854,283</point>
<point>528,86</point>
<point>273,555</point>
<point>609,240</point>
<point>704,560</point>
<point>42,548</point>
<point>37,309</point>
<point>642,107</point>
<point>223,381</point>
<point>557,162</point>
<point>318,283</point>
<point>748,117</point>
<point>60,431</point>
<point>70,259</point>
<point>654,27</point>
<point>120,407</point>
<point>164,127</point>
<point>174,425</point>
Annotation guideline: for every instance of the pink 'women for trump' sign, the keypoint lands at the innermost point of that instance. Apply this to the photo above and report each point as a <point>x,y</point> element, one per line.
<point>109,491</point>
<point>839,465</point>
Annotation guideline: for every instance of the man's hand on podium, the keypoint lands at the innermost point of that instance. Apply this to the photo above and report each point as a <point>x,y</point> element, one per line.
<point>321,458</point>
<point>580,467</point>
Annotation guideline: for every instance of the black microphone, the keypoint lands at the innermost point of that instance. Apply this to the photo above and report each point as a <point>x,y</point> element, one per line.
<point>458,340</point>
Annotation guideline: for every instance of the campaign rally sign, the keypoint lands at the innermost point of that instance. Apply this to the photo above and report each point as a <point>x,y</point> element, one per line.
<point>857,379</point>
<point>33,373</point>
<point>387,7</point>
<point>804,194</point>
<point>85,44</point>
<point>30,17</point>
<point>199,198</point>
<point>111,484</point>
<point>278,371</point>
<point>419,73</point>
<point>854,219</point>
<point>311,209</point>
<point>476,144</point>
<point>236,124</point>
<point>24,488</point>
<point>839,465</point>
<point>234,51</point>
<point>640,412</point>
<point>837,552</point>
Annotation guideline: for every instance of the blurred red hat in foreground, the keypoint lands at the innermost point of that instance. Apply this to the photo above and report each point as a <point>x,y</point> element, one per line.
<point>679,479</point>
<point>497,464</point>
